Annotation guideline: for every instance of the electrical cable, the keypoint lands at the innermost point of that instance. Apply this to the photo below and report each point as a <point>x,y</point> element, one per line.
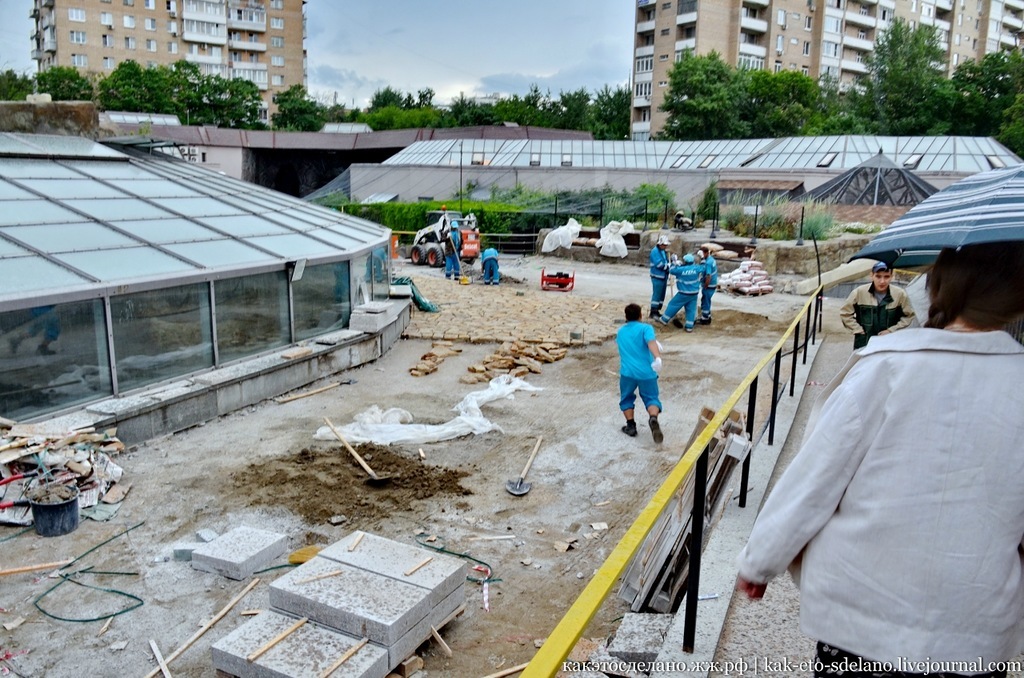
<point>476,580</point>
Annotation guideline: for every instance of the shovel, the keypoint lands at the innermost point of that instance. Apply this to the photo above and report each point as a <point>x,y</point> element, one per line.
<point>374,478</point>
<point>519,487</point>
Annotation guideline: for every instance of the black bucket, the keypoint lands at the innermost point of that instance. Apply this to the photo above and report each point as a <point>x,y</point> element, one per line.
<point>56,519</point>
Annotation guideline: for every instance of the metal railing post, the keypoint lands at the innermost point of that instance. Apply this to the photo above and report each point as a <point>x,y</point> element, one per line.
<point>796,351</point>
<point>775,397</point>
<point>745,472</point>
<point>700,488</point>
<point>807,333</point>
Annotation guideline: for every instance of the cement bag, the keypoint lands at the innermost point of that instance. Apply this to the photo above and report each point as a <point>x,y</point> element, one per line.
<point>561,236</point>
<point>395,426</point>
<point>612,243</point>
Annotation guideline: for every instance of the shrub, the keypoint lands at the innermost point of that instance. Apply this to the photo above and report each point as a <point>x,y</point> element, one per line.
<point>818,223</point>
<point>773,223</point>
<point>733,219</point>
<point>708,204</point>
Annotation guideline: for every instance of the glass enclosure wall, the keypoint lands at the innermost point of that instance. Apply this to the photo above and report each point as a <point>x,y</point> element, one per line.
<point>161,334</point>
<point>321,300</point>
<point>252,314</point>
<point>52,357</point>
<point>380,274</point>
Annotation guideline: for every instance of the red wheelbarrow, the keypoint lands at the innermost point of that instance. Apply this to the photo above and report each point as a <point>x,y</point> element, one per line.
<point>559,282</point>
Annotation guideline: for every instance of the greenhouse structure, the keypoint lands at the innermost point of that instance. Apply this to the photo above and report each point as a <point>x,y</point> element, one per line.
<point>123,268</point>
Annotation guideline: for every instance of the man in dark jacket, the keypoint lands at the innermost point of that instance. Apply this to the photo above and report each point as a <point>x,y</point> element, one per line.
<point>876,308</point>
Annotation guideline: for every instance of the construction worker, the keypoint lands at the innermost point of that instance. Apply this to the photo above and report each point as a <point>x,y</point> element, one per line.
<point>876,308</point>
<point>639,364</point>
<point>709,283</point>
<point>659,274</point>
<point>452,240</point>
<point>489,261</point>
<point>688,281</point>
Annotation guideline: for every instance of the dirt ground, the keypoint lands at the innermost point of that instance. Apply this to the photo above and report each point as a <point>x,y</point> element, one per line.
<point>262,467</point>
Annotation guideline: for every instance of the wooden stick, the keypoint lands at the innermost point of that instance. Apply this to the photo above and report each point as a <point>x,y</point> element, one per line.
<point>17,443</point>
<point>355,542</point>
<point>508,672</point>
<point>206,627</point>
<point>503,536</point>
<point>297,396</point>
<point>250,613</point>
<point>105,627</point>
<point>277,639</point>
<point>440,641</point>
<point>422,455</point>
<point>33,568</point>
<point>459,610</point>
<point>345,657</point>
<point>322,575</point>
<point>416,567</point>
<point>159,658</point>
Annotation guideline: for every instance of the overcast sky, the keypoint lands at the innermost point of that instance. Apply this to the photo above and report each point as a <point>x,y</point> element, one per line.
<point>476,47</point>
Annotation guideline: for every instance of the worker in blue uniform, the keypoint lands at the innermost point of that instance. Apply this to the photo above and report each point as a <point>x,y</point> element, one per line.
<point>688,281</point>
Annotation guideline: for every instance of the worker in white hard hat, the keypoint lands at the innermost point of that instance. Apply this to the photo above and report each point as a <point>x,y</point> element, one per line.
<point>659,274</point>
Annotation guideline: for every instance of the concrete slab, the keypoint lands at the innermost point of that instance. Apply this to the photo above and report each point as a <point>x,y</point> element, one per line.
<point>183,552</point>
<point>640,637</point>
<point>306,652</point>
<point>355,601</point>
<point>239,553</point>
<point>418,634</point>
<point>441,576</point>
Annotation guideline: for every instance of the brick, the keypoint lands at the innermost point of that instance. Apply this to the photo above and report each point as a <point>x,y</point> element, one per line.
<point>409,666</point>
<point>640,637</point>
<point>239,553</point>
<point>206,536</point>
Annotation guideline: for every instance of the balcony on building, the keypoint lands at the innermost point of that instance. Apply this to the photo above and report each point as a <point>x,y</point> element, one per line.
<point>1007,40</point>
<point>1012,22</point>
<point>38,54</point>
<point>1014,4</point>
<point>33,13</point>
<point>50,45</point>
<point>258,25</point>
<point>46,3</point>
<point>859,44</point>
<point>756,3</point>
<point>862,20</point>
<point>943,5</point>
<point>642,127</point>
<point>646,50</point>
<point>853,66</point>
<point>645,26</point>
<point>753,25</point>
<point>204,59</point>
<point>641,102</point>
<point>753,49</point>
<point>687,44</point>
<point>865,3</point>
<point>943,26</point>
<point>247,45</point>
<point>686,18</point>
<point>646,76</point>
<point>204,38</point>
<point>198,15</point>
<point>888,4</point>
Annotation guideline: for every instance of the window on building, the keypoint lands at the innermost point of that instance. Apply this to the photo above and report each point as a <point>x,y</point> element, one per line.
<point>805,70</point>
<point>956,39</point>
<point>277,80</point>
<point>645,64</point>
<point>666,5</point>
<point>690,32</point>
<point>129,3</point>
<point>276,4</point>
<point>129,21</point>
<point>106,18</point>
<point>109,63</point>
<point>829,48</point>
<point>780,44</point>
<point>276,41</point>
<point>778,67</point>
<point>149,4</point>
<point>79,61</point>
<point>535,160</point>
<point>78,37</point>
<point>827,159</point>
<point>956,59</point>
<point>833,25</point>
<point>277,60</point>
<point>567,160</point>
<point>885,14</point>
<point>172,48</point>
<point>780,18</point>
<point>913,161</point>
<point>863,35</point>
<point>707,162</point>
<point>76,14</point>
<point>151,45</point>
<point>808,23</point>
<point>663,83</point>
<point>750,63</point>
<point>913,6</point>
<point>107,40</point>
<point>276,22</point>
<point>666,31</point>
<point>129,43</point>
<point>150,24</point>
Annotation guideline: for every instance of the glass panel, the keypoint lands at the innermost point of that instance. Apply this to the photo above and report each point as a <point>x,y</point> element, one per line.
<point>161,334</point>
<point>162,231</point>
<point>112,170</point>
<point>122,209</point>
<point>196,207</point>
<point>294,246</point>
<point>252,314</point>
<point>243,226</point>
<point>52,357</point>
<point>215,253</point>
<point>41,169</point>
<point>9,249</point>
<point>63,189</point>
<point>380,274</point>
<point>68,237</point>
<point>157,189</point>
<point>10,192</point>
<point>321,300</point>
<point>20,212</point>
<point>25,274</point>
<point>343,240</point>
<point>134,262</point>
<point>362,290</point>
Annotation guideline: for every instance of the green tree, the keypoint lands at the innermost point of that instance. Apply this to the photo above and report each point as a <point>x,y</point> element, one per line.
<point>425,98</point>
<point>296,112</point>
<point>392,117</point>
<point>905,90</point>
<point>388,96</point>
<point>984,90</point>
<point>534,108</point>
<point>125,89</point>
<point>234,103</point>
<point>1011,133</point>
<point>609,113</point>
<point>703,100</point>
<point>779,104</point>
<point>465,112</point>
<point>835,112</point>
<point>572,109</point>
<point>65,83</point>
<point>14,86</point>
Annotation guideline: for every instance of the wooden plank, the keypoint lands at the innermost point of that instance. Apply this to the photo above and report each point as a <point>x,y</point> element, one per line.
<point>344,658</point>
<point>411,570</point>
<point>34,568</point>
<point>256,654</point>
<point>322,575</point>
<point>159,658</point>
<point>299,352</point>
<point>306,394</point>
<point>508,672</point>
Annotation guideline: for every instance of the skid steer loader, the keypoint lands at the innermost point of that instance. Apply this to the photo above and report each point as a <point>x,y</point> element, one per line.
<point>428,248</point>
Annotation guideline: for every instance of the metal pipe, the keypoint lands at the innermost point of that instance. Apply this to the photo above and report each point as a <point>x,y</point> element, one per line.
<point>775,397</point>
<point>700,481</point>
<point>745,474</point>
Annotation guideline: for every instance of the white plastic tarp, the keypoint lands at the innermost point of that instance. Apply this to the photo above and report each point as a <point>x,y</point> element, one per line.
<point>561,236</point>
<point>395,425</point>
<point>612,243</point>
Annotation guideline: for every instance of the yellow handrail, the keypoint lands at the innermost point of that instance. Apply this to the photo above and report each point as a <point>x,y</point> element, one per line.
<point>567,633</point>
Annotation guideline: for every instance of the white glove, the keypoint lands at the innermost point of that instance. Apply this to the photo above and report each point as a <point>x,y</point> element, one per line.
<point>675,260</point>
<point>656,365</point>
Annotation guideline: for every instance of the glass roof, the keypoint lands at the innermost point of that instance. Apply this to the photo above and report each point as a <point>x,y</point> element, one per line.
<point>939,154</point>
<point>74,213</point>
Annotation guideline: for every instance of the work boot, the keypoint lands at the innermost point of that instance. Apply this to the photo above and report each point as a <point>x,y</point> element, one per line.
<point>656,430</point>
<point>658,320</point>
<point>705,321</point>
<point>676,322</point>
<point>630,428</point>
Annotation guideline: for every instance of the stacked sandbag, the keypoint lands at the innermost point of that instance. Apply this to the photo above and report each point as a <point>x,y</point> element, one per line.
<point>749,278</point>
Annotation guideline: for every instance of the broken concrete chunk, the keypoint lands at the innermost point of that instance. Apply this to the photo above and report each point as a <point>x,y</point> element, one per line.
<point>206,535</point>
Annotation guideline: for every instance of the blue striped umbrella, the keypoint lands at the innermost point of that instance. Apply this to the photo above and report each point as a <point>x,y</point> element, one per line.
<point>983,208</point>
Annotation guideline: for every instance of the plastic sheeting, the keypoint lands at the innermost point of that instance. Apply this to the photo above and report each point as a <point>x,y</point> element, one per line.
<point>612,243</point>
<point>395,425</point>
<point>561,236</point>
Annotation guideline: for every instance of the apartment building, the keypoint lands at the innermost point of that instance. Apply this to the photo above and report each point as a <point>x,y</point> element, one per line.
<point>816,37</point>
<point>262,41</point>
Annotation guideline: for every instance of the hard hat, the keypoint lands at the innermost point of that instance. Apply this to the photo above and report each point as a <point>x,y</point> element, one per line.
<point>444,208</point>
<point>688,259</point>
<point>662,240</point>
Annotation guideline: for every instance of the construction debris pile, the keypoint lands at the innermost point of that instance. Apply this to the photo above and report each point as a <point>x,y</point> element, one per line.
<point>36,455</point>
<point>516,358</point>
<point>750,279</point>
<point>432,359</point>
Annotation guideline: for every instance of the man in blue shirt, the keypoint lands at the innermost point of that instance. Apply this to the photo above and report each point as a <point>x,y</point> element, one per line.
<point>489,260</point>
<point>710,284</point>
<point>639,364</point>
<point>659,274</point>
<point>688,281</point>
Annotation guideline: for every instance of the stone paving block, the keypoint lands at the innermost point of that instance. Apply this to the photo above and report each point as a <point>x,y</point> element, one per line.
<point>239,553</point>
<point>206,535</point>
<point>306,652</point>
<point>183,552</point>
<point>407,644</point>
<point>640,637</point>
<point>442,575</point>
<point>355,601</point>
